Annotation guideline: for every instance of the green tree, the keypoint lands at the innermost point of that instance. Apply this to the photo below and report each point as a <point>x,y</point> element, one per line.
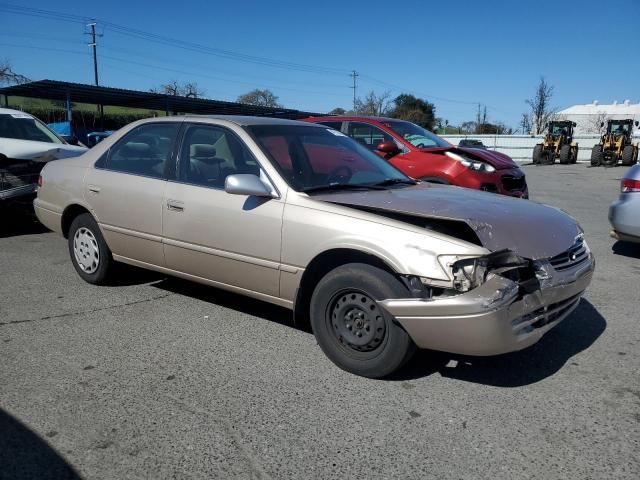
<point>338,111</point>
<point>261,98</point>
<point>416,110</point>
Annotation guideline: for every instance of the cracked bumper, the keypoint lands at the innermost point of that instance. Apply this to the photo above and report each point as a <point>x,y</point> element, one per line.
<point>493,318</point>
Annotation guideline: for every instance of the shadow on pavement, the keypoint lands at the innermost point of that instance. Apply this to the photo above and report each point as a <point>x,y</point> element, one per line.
<point>573,335</point>
<point>25,455</point>
<point>16,220</point>
<point>234,301</point>
<point>627,249</point>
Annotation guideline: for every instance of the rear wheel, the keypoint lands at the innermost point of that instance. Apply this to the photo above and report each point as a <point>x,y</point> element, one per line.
<point>628,155</point>
<point>352,329</point>
<point>89,252</point>
<point>596,156</point>
<point>565,154</point>
<point>574,154</point>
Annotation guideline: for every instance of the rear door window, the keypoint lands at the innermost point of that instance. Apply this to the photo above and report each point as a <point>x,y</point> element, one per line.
<point>146,150</point>
<point>368,135</point>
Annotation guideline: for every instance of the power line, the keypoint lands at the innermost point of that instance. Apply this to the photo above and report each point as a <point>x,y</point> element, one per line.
<point>227,54</point>
<point>192,46</point>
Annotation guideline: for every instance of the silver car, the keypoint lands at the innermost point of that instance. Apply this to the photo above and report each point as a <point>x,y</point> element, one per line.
<point>624,214</point>
<point>302,216</point>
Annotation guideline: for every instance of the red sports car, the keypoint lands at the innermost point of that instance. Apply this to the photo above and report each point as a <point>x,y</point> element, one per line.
<point>425,156</point>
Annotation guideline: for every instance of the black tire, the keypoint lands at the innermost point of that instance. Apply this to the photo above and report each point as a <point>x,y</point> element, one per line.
<point>574,155</point>
<point>565,154</point>
<point>94,262</point>
<point>537,154</point>
<point>596,156</point>
<point>628,155</point>
<point>352,330</point>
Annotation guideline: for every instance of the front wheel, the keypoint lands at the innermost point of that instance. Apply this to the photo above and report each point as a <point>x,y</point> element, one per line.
<point>352,329</point>
<point>89,252</point>
<point>628,155</point>
<point>597,157</point>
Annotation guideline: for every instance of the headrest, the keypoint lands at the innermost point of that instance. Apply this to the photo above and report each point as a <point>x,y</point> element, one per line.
<point>138,149</point>
<point>200,150</point>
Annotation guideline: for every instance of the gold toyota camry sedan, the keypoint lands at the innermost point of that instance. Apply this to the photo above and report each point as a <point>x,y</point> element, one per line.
<point>302,216</point>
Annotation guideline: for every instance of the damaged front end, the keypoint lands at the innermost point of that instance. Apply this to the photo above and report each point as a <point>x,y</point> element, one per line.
<point>496,303</point>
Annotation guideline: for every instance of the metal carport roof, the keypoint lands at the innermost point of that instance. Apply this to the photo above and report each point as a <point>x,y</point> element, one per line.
<point>82,93</point>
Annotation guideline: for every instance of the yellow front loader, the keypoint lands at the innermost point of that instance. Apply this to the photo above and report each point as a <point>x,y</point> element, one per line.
<point>557,143</point>
<point>616,145</point>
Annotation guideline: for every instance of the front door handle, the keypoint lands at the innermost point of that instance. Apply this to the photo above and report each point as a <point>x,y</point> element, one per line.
<point>175,205</point>
<point>93,188</point>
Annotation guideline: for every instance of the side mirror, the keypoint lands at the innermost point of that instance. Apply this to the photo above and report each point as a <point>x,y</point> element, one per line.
<point>388,148</point>
<point>246,184</point>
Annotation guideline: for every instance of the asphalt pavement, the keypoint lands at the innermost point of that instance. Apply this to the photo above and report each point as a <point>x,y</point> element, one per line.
<point>159,378</point>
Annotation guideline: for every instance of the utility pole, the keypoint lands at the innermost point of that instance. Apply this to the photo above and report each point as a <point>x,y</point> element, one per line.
<point>94,46</point>
<point>354,75</point>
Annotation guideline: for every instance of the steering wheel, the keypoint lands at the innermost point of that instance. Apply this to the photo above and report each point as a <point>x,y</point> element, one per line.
<point>339,174</point>
<point>420,145</point>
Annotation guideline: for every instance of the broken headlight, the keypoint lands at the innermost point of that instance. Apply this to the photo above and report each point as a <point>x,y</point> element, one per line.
<point>469,273</point>
<point>476,165</point>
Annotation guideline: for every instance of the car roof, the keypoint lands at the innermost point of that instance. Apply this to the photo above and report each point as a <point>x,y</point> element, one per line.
<point>363,118</point>
<point>243,120</point>
<point>9,111</point>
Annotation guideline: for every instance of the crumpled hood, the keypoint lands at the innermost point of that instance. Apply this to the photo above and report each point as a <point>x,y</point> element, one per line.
<point>37,151</point>
<point>531,230</point>
<point>498,160</point>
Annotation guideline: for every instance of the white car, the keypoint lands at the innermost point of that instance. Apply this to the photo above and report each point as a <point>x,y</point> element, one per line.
<point>26,145</point>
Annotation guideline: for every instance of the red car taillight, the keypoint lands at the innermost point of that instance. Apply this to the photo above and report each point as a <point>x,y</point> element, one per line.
<point>629,185</point>
<point>39,181</point>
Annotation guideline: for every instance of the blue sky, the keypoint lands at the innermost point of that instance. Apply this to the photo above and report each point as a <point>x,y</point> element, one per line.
<point>454,54</point>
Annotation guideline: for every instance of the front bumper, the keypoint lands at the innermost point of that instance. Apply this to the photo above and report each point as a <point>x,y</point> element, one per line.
<point>494,318</point>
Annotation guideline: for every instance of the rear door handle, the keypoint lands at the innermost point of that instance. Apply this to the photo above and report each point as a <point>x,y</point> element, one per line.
<point>175,205</point>
<point>93,188</point>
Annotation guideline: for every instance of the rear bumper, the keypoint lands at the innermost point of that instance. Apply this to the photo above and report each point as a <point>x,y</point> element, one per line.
<point>494,318</point>
<point>624,215</point>
<point>49,218</point>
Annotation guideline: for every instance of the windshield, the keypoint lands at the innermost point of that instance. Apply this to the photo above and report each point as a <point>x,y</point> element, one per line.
<point>24,127</point>
<point>312,158</point>
<point>416,135</point>
<point>559,129</point>
<point>619,128</point>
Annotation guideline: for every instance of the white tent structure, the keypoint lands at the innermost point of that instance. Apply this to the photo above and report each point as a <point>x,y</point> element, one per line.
<point>589,117</point>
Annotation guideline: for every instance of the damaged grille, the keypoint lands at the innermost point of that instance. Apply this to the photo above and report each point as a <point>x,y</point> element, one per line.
<point>572,257</point>
<point>511,183</point>
<point>545,315</point>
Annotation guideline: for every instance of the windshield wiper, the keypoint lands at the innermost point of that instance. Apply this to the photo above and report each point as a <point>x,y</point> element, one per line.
<point>387,182</point>
<point>343,186</point>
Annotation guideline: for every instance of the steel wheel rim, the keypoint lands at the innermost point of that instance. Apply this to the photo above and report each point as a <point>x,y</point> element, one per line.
<point>356,322</point>
<point>86,250</point>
